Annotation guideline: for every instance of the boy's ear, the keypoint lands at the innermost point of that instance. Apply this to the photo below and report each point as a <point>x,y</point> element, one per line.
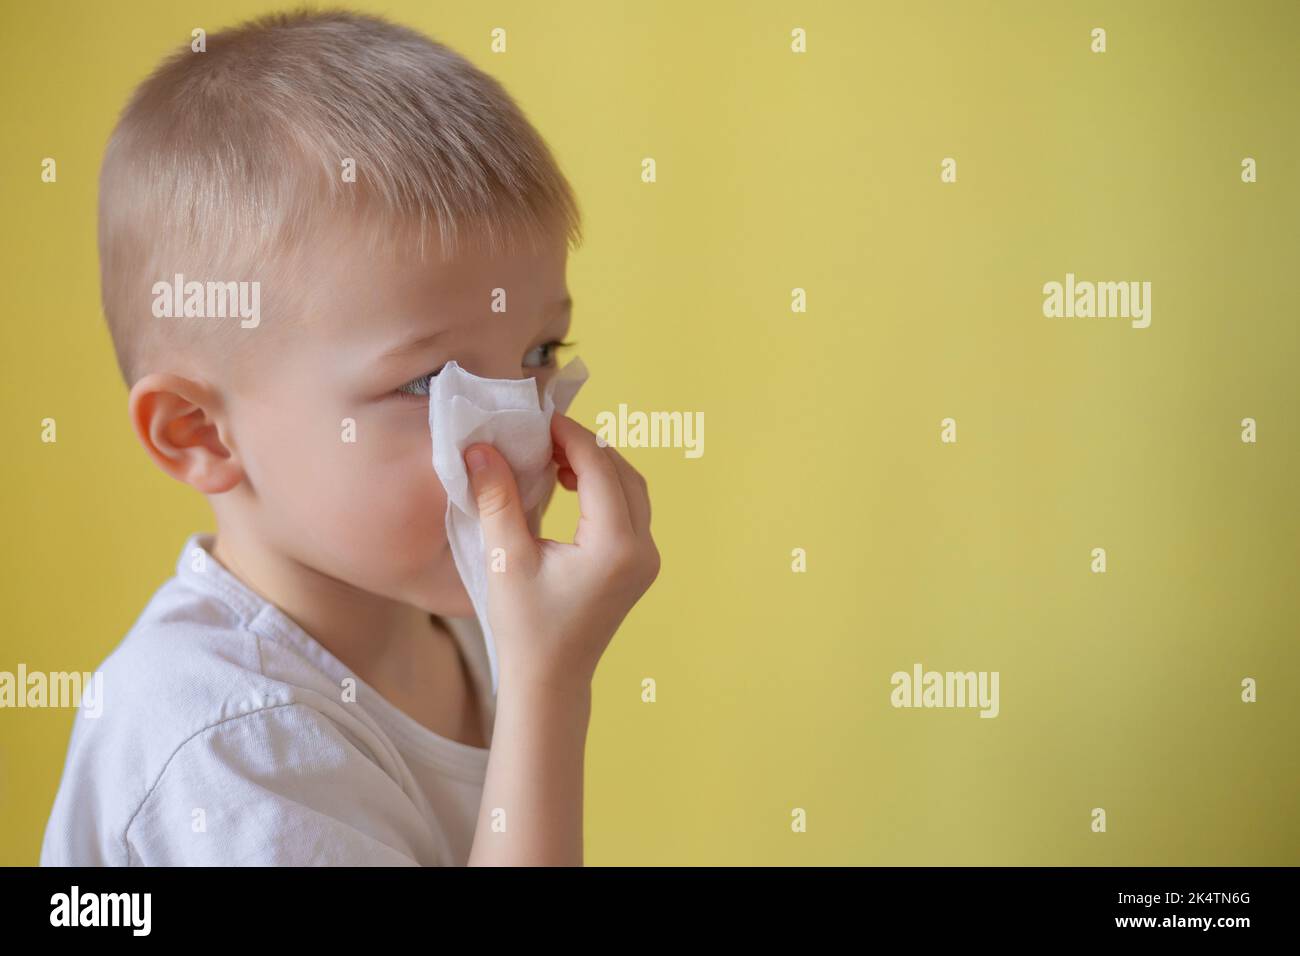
<point>181,424</point>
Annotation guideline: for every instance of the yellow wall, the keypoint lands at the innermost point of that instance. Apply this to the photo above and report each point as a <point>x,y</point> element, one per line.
<point>820,171</point>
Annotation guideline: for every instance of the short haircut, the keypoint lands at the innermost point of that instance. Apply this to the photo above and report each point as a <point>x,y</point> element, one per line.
<point>226,162</point>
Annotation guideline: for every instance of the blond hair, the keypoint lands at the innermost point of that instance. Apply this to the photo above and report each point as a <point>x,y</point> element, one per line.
<point>226,162</point>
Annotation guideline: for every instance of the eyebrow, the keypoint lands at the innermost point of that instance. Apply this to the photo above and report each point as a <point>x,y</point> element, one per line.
<point>416,344</point>
<point>421,342</point>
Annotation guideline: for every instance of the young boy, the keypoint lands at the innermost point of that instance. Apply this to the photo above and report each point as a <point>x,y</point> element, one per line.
<point>311,686</point>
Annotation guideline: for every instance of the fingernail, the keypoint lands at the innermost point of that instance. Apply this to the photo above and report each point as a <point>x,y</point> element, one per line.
<point>476,460</point>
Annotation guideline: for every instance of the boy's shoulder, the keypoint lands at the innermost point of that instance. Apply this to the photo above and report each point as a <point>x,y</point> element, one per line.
<point>193,657</point>
<point>188,661</point>
<point>195,661</point>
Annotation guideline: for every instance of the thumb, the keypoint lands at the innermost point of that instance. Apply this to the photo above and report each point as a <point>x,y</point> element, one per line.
<point>500,510</point>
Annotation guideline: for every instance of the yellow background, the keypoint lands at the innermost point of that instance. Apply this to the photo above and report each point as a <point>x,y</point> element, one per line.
<point>820,171</point>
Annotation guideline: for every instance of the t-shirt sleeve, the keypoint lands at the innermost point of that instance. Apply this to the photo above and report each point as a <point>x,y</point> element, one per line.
<point>281,786</point>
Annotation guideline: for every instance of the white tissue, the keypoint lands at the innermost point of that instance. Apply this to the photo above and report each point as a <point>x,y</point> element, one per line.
<point>465,409</point>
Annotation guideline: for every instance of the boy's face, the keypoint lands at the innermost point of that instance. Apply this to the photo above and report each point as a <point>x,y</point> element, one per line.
<point>363,504</point>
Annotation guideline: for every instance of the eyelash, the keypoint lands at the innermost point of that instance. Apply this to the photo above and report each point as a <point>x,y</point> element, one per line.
<point>412,388</point>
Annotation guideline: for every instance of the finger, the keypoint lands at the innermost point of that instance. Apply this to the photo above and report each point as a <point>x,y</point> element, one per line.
<point>635,490</point>
<point>535,513</point>
<point>500,510</point>
<point>601,500</point>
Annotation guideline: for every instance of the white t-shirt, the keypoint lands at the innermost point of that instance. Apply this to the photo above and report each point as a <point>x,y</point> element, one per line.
<point>226,739</point>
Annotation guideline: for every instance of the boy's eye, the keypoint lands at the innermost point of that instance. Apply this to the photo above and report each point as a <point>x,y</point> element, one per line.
<point>547,350</point>
<point>419,387</point>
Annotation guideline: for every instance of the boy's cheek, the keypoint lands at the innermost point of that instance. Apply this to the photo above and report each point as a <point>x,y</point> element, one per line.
<point>421,518</point>
<point>392,512</point>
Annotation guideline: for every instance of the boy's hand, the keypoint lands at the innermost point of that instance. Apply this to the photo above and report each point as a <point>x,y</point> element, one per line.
<point>555,607</point>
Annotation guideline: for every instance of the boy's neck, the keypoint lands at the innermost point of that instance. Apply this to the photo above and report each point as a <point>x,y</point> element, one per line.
<point>359,628</point>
